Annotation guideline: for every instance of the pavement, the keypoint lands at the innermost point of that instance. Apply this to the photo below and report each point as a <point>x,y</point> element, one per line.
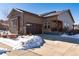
<point>50,48</point>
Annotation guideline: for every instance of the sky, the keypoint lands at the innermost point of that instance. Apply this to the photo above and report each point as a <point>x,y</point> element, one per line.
<point>40,8</point>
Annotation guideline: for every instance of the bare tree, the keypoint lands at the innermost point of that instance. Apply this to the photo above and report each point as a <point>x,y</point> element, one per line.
<point>5,13</point>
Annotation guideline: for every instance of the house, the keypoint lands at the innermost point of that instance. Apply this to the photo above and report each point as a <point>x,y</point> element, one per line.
<point>76,26</point>
<point>22,22</point>
<point>4,25</point>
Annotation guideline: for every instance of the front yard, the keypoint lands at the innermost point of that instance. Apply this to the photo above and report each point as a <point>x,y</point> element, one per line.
<point>51,47</point>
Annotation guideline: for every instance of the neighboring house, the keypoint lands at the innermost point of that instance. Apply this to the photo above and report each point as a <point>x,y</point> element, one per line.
<point>22,22</point>
<point>4,26</point>
<point>76,26</point>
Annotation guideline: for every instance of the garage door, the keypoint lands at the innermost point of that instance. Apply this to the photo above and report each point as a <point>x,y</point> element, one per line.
<point>34,28</point>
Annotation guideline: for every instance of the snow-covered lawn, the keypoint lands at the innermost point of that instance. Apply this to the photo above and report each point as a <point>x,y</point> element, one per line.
<point>4,54</point>
<point>10,42</point>
<point>23,42</point>
<point>71,36</point>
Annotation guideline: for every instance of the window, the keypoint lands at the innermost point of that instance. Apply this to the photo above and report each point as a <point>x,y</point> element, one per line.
<point>14,22</point>
<point>66,26</point>
<point>46,25</point>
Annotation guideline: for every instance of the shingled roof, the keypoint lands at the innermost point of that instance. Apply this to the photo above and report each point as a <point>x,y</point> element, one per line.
<point>20,10</point>
<point>52,13</point>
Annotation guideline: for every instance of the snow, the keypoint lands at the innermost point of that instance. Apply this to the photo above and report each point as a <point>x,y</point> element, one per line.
<point>71,36</point>
<point>65,35</point>
<point>76,36</point>
<point>8,42</point>
<point>23,42</point>
<point>28,42</point>
<point>2,32</point>
<point>3,49</point>
<point>3,52</point>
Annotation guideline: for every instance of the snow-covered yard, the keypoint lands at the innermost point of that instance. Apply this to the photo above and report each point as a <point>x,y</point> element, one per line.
<point>23,42</point>
<point>28,42</point>
<point>71,36</point>
<point>63,37</point>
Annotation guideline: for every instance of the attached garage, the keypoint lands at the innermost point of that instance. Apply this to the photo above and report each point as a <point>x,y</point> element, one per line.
<point>33,28</point>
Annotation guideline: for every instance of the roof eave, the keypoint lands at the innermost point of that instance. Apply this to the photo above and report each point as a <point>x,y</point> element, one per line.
<point>22,12</point>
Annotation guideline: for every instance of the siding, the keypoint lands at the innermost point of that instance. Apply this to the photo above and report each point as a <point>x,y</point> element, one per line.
<point>66,18</point>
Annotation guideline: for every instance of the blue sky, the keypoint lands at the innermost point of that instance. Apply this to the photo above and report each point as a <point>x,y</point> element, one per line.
<point>40,8</point>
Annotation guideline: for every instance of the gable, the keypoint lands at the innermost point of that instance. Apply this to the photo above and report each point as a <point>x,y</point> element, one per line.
<point>66,14</point>
<point>71,15</point>
<point>13,13</point>
<point>57,13</point>
<point>65,17</point>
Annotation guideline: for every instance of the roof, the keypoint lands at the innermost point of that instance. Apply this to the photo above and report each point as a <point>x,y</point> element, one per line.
<point>52,13</point>
<point>22,11</point>
<point>47,13</point>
